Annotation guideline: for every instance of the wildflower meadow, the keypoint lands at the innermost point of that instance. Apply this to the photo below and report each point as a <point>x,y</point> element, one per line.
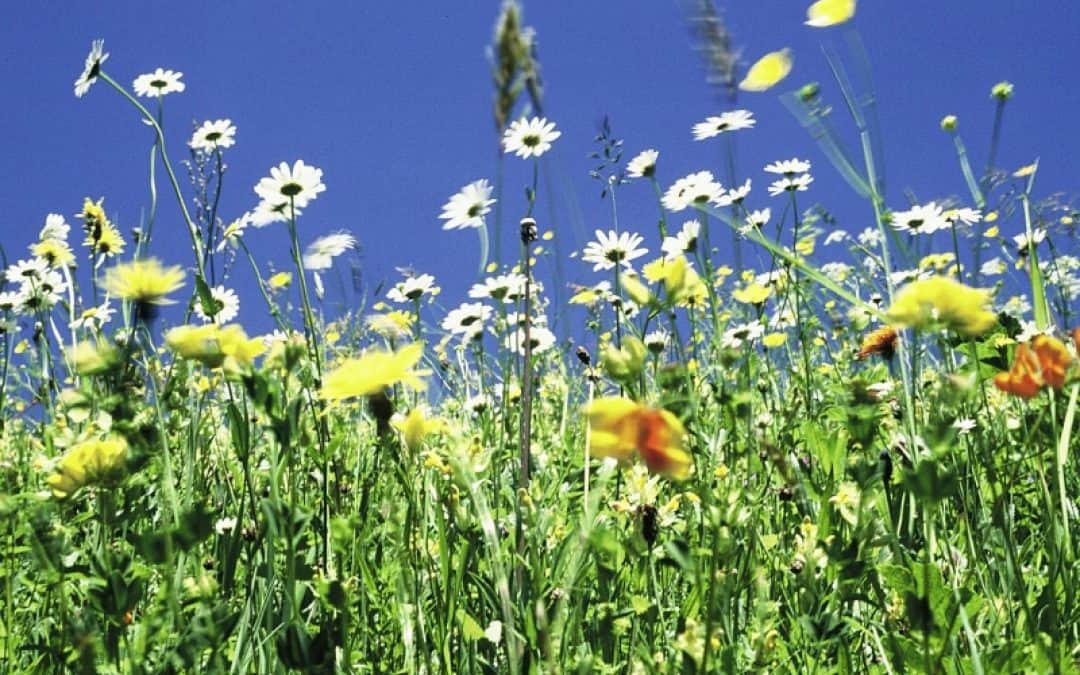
<point>732,431</point>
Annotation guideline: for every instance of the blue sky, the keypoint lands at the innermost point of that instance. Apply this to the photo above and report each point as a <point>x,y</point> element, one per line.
<point>393,102</point>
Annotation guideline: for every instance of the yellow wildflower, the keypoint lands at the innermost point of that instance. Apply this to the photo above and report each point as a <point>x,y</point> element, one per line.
<point>943,300</point>
<point>752,294</point>
<point>767,71</point>
<point>279,281</point>
<point>824,13</point>
<point>143,281</point>
<point>415,428</point>
<point>56,252</point>
<point>621,427</point>
<point>87,463</point>
<point>374,371</point>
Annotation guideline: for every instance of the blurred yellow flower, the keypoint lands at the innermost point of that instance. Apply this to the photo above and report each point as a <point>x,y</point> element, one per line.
<point>774,340</point>
<point>105,240</point>
<point>94,358</point>
<point>1025,171</point>
<point>143,281</point>
<point>621,427</point>
<point>767,71</point>
<point>824,13</point>
<point>87,463</point>
<point>374,371</point>
<point>226,347</point>
<point>943,300</point>
<point>279,280</point>
<point>415,427</point>
<point>752,294</point>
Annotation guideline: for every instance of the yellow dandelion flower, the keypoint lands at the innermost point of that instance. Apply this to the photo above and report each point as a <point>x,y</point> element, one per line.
<point>55,252</point>
<point>752,294</point>
<point>375,371</point>
<point>92,214</point>
<point>767,71</point>
<point>415,427</point>
<point>88,463</point>
<point>824,13</point>
<point>105,240</point>
<point>279,281</point>
<point>143,281</point>
<point>944,301</point>
<point>774,340</point>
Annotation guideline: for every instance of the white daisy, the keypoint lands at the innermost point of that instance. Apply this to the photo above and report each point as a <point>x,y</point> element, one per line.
<point>657,340</point>
<point>1021,240</point>
<point>233,231</point>
<point>468,319</point>
<point>965,215</point>
<point>925,219</point>
<point>229,306</point>
<point>734,337</point>
<point>225,525</point>
<point>158,83</point>
<point>790,184</point>
<point>837,271</point>
<point>759,218</point>
<point>870,236</point>
<point>10,301</point>
<point>299,184</point>
<point>42,293</point>
<point>963,425</point>
<point>732,120</point>
<point>266,213</point>
<point>835,237</point>
<point>213,134</point>
<point>736,195</point>
<point>643,165</point>
<point>95,317</point>
<point>683,242</point>
<point>697,188</point>
<point>468,207</point>
<point>541,338</point>
<point>320,254</point>
<point>788,167</point>
<point>530,138</point>
<point>56,228</point>
<point>993,267</point>
<point>30,270</point>
<point>413,288</point>
<point>504,287</point>
<point>94,59</point>
<point>613,249</point>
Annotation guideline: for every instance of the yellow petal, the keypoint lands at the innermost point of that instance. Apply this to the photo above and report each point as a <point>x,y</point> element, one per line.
<point>825,13</point>
<point>768,71</point>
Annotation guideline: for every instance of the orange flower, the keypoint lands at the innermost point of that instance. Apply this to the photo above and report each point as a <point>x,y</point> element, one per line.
<point>1076,338</point>
<point>620,426</point>
<point>1055,359</point>
<point>1024,379</point>
<point>881,341</point>
<point>1043,362</point>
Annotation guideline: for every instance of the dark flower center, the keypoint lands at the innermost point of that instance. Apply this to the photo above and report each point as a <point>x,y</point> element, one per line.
<point>291,189</point>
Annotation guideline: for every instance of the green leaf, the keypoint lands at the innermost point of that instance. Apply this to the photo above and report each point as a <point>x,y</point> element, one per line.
<point>470,627</point>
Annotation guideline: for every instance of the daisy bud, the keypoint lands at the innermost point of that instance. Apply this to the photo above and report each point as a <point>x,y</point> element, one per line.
<point>528,230</point>
<point>809,92</point>
<point>948,123</point>
<point>1002,91</point>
